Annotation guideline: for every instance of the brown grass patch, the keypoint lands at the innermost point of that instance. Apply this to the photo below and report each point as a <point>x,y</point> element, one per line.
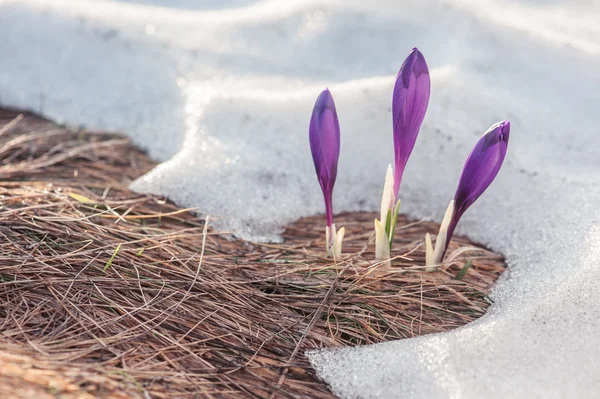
<point>107,293</point>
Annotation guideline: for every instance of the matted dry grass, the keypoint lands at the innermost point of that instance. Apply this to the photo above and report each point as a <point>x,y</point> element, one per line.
<point>107,293</point>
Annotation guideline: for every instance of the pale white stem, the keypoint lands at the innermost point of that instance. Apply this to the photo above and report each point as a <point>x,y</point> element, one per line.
<point>334,240</point>
<point>440,242</point>
<point>382,243</point>
<point>329,234</point>
<point>338,242</point>
<point>429,257</point>
<point>388,194</point>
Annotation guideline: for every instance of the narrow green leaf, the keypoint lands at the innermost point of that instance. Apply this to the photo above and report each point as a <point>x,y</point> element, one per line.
<point>394,220</point>
<point>464,270</point>
<point>81,198</point>
<point>388,222</point>
<point>110,261</point>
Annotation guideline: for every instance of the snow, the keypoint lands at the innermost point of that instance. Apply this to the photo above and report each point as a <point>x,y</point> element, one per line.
<point>222,91</point>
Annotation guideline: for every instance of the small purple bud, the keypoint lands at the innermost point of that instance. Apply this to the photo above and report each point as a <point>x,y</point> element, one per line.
<point>480,170</point>
<point>409,105</point>
<point>324,136</point>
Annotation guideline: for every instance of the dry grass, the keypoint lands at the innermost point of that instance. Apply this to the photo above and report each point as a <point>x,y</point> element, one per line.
<point>106,293</point>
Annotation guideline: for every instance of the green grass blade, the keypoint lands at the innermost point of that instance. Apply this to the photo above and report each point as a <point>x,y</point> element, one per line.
<point>464,270</point>
<point>110,261</point>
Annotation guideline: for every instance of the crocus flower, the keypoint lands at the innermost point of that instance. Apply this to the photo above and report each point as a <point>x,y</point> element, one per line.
<point>481,168</point>
<point>409,105</point>
<point>479,171</point>
<point>324,137</point>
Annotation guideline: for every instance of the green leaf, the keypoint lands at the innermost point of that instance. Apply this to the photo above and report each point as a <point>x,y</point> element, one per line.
<point>394,220</point>
<point>388,222</point>
<point>110,261</point>
<point>81,198</point>
<point>464,270</point>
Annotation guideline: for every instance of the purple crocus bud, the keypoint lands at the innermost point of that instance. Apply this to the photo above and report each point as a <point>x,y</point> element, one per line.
<point>480,170</point>
<point>409,104</point>
<point>324,136</point>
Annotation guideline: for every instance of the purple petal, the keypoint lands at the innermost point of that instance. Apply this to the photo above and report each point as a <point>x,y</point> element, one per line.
<point>409,105</point>
<point>480,170</point>
<point>324,136</point>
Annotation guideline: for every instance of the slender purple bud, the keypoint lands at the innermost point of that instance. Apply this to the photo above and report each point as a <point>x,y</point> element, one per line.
<point>324,136</point>
<point>409,104</point>
<point>480,170</point>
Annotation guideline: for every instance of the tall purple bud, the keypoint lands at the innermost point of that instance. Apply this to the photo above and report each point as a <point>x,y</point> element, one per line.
<point>409,105</point>
<point>480,170</point>
<point>324,136</point>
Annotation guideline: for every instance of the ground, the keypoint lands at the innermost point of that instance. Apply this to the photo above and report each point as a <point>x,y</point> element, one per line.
<point>108,293</point>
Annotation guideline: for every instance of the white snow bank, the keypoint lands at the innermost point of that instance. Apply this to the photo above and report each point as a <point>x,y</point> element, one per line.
<point>222,91</point>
